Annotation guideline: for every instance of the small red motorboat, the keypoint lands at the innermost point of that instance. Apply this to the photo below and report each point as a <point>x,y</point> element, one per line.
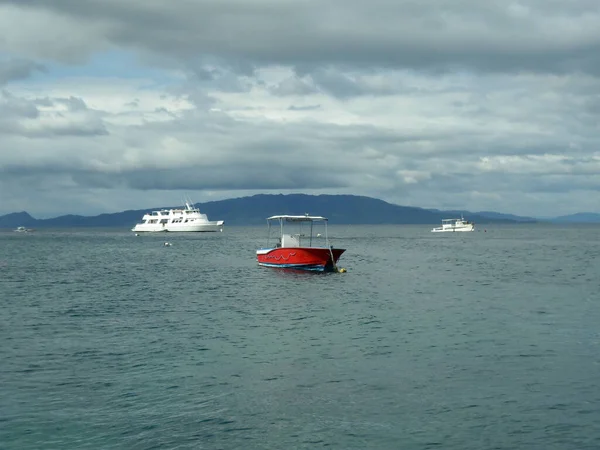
<point>303,250</point>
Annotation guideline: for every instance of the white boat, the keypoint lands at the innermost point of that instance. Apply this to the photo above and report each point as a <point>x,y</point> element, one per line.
<point>22,230</point>
<point>188,219</point>
<point>454,225</point>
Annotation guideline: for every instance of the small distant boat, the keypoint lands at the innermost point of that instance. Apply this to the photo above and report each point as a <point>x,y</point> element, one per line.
<point>454,225</point>
<point>23,230</point>
<point>299,251</point>
<point>188,219</point>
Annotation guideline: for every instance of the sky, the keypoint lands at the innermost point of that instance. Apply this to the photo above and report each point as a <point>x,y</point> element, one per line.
<point>109,105</point>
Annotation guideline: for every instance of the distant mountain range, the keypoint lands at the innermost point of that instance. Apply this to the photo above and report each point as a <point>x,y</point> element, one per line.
<point>340,209</point>
<point>578,218</point>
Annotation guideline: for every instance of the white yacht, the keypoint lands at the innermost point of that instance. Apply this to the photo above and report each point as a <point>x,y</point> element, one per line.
<point>23,230</point>
<point>454,225</point>
<point>177,220</point>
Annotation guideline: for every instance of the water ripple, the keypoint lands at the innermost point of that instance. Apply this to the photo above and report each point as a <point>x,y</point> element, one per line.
<point>454,342</point>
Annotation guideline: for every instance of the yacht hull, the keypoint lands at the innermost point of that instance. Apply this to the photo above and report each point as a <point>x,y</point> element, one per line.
<point>446,230</point>
<point>179,228</point>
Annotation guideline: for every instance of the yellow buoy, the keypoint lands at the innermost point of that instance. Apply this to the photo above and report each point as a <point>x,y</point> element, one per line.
<point>342,270</point>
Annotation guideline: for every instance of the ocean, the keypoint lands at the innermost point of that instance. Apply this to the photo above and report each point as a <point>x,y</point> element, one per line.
<point>483,340</point>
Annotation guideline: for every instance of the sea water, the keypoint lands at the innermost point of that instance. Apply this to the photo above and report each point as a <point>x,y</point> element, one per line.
<point>482,340</point>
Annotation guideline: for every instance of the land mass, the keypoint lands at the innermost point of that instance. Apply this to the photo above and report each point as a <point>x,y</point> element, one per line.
<point>253,210</point>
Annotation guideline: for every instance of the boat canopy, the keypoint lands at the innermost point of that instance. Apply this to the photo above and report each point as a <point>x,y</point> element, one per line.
<point>305,218</point>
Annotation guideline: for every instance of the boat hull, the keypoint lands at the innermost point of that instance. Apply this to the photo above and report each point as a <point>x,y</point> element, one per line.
<point>304,258</point>
<point>454,229</point>
<point>178,228</point>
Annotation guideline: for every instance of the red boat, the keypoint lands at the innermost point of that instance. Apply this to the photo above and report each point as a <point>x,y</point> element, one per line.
<point>300,250</point>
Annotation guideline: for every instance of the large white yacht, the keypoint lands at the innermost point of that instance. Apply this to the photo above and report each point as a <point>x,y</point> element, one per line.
<point>182,219</point>
<point>455,225</point>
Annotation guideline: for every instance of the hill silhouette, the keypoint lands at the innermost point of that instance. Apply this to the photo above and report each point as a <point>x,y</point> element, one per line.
<point>253,210</point>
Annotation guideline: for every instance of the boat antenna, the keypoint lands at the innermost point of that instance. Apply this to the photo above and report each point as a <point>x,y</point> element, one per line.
<point>188,202</point>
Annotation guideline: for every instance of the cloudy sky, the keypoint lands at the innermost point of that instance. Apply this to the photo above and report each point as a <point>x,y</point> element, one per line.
<point>107,105</point>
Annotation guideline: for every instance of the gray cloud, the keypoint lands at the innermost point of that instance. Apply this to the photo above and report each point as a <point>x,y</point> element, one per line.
<point>304,108</point>
<point>518,146</point>
<point>341,85</point>
<point>18,69</point>
<point>463,104</point>
<point>317,156</point>
<point>293,86</point>
<point>13,106</point>
<point>21,116</point>
<point>539,36</point>
<point>257,178</point>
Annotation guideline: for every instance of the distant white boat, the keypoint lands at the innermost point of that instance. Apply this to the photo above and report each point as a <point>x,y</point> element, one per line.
<point>454,225</point>
<point>188,219</point>
<point>23,230</point>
